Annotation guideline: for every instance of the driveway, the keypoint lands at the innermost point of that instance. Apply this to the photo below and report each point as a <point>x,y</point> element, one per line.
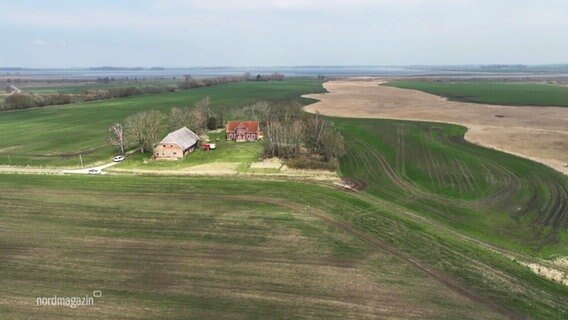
<point>86,170</point>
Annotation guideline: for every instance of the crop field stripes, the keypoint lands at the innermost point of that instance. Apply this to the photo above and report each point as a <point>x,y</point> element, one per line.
<point>401,133</point>
<point>555,204</point>
<point>429,164</point>
<point>251,228</point>
<point>466,177</point>
<point>393,233</point>
<point>505,184</point>
<point>402,185</point>
<point>450,283</point>
<point>487,193</point>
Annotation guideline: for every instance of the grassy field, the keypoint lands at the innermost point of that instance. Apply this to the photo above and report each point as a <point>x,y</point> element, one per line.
<point>437,232</point>
<point>521,94</point>
<point>56,136</point>
<point>174,248</point>
<point>431,169</point>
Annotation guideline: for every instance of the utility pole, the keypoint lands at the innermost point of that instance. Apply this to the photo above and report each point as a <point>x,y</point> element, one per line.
<point>81,158</point>
<point>9,160</point>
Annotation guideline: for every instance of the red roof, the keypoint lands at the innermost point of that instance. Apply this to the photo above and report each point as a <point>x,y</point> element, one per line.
<point>251,126</point>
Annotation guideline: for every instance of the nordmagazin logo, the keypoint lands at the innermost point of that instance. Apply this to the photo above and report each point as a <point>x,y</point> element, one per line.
<point>71,302</point>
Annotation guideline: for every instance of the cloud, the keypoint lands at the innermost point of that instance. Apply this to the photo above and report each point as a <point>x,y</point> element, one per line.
<point>214,32</point>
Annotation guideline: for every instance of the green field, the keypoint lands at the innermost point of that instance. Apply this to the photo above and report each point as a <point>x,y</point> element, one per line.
<point>57,135</point>
<point>521,94</point>
<point>173,248</point>
<point>431,169</point>
<point>437,231</point>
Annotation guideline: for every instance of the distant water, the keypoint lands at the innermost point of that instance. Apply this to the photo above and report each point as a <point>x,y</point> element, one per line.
<point>299,71</point>
<point>207,72</point>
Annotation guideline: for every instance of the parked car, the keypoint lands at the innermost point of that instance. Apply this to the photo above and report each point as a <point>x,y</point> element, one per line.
<point>118,158</point>
<point>95,171</point>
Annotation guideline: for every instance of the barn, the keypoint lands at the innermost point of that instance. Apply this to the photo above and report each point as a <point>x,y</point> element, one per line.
<point>176,145</point>
<point>243,130</point>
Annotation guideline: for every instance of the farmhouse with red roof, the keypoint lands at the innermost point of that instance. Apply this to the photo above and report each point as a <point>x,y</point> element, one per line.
<point>243,130</point>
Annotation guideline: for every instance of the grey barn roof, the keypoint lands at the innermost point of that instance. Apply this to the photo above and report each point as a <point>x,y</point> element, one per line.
<point>183,137</point>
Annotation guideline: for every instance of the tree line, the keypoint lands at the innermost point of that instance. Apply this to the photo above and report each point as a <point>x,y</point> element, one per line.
<point>264,77</point>
<point>21,101</point>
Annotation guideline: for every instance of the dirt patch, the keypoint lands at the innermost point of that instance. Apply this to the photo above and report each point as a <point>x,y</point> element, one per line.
<point>562,262</point>
<point>349,184</point>
<point>548,273</point>
<point>536,133</point>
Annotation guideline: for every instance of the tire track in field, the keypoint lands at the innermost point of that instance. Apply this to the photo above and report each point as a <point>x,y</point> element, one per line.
<point>468,177</point>
<point>506,281</point>
<point>510,185</point>
<point>556,205</point>
<point>401,149</point>
<point>377,244</point>
<point>371,155</point>
<point>429,163</point>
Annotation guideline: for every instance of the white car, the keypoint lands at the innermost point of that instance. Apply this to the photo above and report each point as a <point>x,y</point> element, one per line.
<point>118,159</point>
<point>95,171</point>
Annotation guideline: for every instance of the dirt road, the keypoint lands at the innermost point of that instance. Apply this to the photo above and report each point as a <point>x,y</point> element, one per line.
<point>536,133</point>
<point>31,170</point>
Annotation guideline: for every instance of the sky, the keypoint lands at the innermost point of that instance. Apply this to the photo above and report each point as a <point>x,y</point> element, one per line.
<point>185,33</point>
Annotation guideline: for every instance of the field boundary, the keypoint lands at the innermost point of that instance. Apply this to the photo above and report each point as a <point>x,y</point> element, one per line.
<point>473,131</point>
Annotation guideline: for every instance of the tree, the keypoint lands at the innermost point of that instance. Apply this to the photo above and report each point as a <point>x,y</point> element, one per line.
<point>277,76</point>
<point>145,128</point>
<point>332,144</point>
<point>220,119</point>
<point>117,137</point>
<point>322,138</point>
<point>314,127</point>
<point>179,118</point>
<point>212,123</point>
<point>200,115</point>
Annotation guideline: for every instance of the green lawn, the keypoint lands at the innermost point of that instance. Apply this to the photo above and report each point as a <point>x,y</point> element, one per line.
<point>521,94</point>
<point>57,135</point>
<point>243,153</point>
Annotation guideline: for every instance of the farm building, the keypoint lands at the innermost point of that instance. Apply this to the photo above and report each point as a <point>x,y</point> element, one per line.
<point>243,130</point>
<point>176,145</point>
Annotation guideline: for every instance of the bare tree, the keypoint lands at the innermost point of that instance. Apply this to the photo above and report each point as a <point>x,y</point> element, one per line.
<point>332,144</point>
<point>145,128</point>
<point>200,115</point>
<point>179,118</point>
<point>117,137</point>
<point>314,126</point>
